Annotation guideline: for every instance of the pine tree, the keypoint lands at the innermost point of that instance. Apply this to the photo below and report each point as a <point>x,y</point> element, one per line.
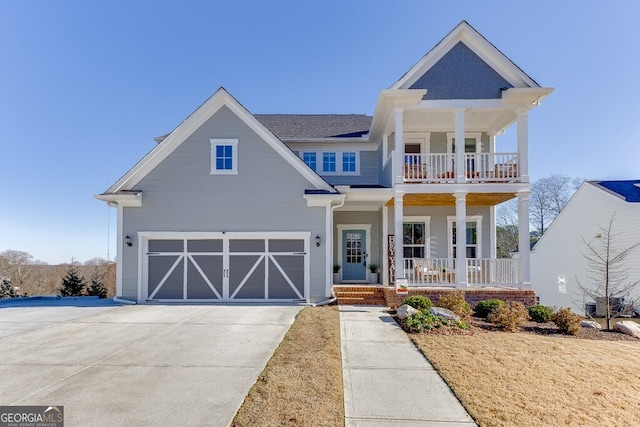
<point>96,288</point>
<point>72,284</point>
<point>6,289</point>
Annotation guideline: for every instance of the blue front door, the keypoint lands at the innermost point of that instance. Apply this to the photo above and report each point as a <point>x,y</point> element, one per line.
<point>354,260</point>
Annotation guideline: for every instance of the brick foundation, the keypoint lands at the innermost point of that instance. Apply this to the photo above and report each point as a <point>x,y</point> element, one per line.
<point>472,295</point>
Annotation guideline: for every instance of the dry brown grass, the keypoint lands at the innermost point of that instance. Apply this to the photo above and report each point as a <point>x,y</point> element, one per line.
<point>523,379</point>
<point>302,383</point>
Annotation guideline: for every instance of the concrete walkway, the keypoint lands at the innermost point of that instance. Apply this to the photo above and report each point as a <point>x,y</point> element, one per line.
<point>387,381</point>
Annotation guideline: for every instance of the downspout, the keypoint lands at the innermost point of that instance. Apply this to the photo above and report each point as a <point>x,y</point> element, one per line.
<point>329,252</point>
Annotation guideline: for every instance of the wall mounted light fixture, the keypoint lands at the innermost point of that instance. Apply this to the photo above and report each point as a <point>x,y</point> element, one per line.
<point>317,240</point>
<point>128,241</point>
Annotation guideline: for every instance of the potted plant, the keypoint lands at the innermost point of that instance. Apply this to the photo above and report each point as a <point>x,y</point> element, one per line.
<point>373,276</point>
<point>336,273</point>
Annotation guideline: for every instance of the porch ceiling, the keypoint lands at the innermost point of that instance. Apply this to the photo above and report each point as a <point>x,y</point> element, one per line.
<point>473,199</point>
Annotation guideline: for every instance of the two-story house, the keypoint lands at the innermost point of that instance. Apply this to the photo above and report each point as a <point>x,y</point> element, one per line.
<point>236,206</point>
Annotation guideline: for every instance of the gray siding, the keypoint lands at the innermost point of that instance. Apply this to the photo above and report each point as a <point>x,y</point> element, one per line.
<point>180,194</point>
<point>461,74</point>
<point>368,171</point>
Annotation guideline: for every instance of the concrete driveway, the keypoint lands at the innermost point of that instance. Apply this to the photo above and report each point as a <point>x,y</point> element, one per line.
<point>142,365</point>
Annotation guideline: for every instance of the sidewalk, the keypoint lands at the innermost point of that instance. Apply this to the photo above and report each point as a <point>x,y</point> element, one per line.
<point>387,381</point>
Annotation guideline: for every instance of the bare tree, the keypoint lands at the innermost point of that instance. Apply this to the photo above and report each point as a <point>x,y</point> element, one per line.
<point>548,197</point>
<point>506,228</point>
<point>606,270</point>
<point>16,266</point>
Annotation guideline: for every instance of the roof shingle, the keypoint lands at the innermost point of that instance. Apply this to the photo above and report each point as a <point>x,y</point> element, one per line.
<point>307,126</point>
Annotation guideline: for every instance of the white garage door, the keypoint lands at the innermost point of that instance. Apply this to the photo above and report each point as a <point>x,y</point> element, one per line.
<point>226,267</point>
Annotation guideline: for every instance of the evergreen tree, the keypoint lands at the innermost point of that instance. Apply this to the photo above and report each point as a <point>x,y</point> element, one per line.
<point>96,288</point>
<point>6,289</point>
<point>72,284</point>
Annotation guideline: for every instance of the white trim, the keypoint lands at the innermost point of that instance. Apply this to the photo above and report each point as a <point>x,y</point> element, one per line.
<point>340,228</point>
<point>427,225</point>
<point>467,135</point>
<point>215,142</point>
<point>196,120</point>
<point>339,161</point>
<point>470,218</point>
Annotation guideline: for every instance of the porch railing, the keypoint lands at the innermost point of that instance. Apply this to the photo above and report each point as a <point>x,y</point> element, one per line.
<point>479,167</point>
<point>442,271</point>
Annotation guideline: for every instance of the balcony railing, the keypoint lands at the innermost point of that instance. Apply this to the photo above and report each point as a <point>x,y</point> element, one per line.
<point>478,167</point>
<point>442,271</point>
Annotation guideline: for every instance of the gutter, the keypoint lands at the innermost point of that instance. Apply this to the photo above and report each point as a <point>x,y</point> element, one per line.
<point>124,301</point>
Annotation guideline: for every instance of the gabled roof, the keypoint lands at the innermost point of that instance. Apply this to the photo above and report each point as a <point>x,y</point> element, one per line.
<point>472,39</point>
<point>629,191</point>
<point>311,126</point>
<point>196,120</point>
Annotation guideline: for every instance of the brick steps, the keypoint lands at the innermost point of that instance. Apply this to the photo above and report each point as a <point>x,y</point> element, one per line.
<point>360,295</point>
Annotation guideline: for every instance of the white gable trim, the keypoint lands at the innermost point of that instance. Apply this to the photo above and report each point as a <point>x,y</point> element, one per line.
<point>465,33</point>
<point>196,120</point>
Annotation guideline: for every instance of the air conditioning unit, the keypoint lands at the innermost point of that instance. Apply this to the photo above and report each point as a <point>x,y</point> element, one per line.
<point>617,305</point>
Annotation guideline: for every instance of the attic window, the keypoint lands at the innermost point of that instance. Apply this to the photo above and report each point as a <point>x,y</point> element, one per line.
<point>224,156</point>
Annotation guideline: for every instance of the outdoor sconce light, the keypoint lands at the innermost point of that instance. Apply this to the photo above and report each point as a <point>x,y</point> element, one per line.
<point>127,240</point>
<point>317,241</point>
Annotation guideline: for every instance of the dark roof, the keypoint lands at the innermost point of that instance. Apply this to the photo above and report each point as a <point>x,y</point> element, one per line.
<point>307,126</point>
<point>628,190</point>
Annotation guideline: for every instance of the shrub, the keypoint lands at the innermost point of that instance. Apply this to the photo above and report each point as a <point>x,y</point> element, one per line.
<point>455,302</point>
<point>484,308</point>
<point>509,316</point>
<point>418,302</point>
<point>567,321</point>
<point>426,321</point>
<point>540,313</point>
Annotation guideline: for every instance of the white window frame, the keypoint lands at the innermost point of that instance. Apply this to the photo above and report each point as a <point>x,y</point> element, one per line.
<point>473,218</point>
<point>316,159</point>
<point>427,228</point>
<point>215,142</point>
<point>339,165</point>
<point>467,135</point>
<point>355,161</point>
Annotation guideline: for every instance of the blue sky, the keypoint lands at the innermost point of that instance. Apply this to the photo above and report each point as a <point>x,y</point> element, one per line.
<point>85,86</point>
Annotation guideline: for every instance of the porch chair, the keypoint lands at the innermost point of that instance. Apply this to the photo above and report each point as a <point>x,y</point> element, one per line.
<point>422,269</point>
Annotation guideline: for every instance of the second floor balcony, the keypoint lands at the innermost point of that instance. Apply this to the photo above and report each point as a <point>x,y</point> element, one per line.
<point>477,168</point>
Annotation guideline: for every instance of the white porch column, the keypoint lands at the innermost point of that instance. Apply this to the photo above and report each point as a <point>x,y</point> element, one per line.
<point>523,239</point>
<point>120,249</point>
<point>461,238</point>
<point>398,161</point>
<point>328,248</point>
<point>523,145</point>
<point>398,216</point>
<point>459,156</point>
<point>385,245</point>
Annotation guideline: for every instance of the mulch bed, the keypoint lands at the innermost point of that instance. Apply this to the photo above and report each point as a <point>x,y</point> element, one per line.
<point>479,325</point>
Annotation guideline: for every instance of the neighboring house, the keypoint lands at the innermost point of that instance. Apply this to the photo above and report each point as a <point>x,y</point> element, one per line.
<point>236,206</point>
<point>557,260</point>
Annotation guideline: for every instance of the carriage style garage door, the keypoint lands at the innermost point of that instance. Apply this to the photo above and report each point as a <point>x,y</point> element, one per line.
<point>225,267</point>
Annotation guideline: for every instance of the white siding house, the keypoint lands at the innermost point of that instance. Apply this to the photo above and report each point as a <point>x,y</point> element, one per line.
<point>557,260</point>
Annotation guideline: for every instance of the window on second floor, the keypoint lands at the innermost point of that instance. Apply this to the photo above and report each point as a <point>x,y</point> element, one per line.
<point>310,159</point>
<point>328,162</point>
<point>224,156</point>
<point>349,161</point>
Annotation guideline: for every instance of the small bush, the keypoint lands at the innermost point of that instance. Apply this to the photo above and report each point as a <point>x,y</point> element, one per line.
<point>509,316</point>
<point>456,302</point>
<point>486,307</point>
<point>540,313</point>
<point>418,302</point>
<point>567,321</point>
<point>426,321</point>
